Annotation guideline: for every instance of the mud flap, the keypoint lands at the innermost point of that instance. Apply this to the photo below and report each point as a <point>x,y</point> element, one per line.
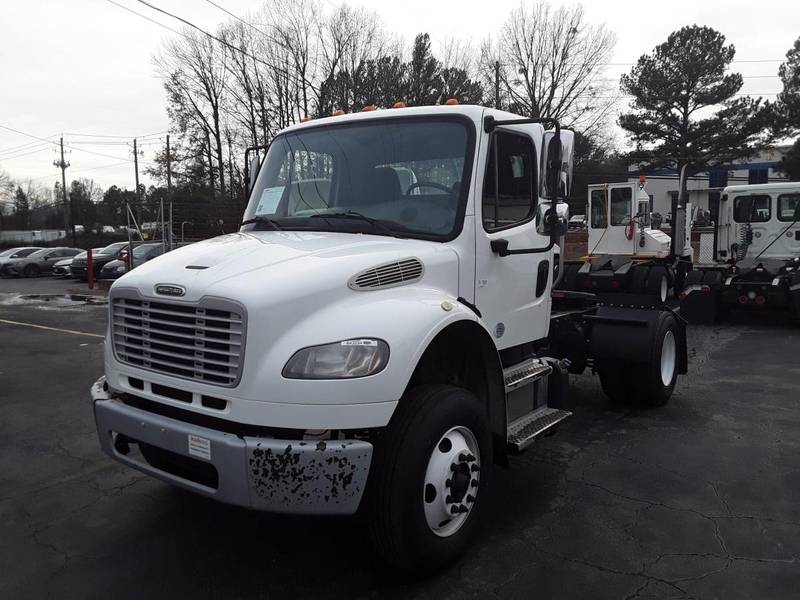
<point>699,307</point>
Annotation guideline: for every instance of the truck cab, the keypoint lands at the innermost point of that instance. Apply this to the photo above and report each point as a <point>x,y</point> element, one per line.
<point>378,334</point>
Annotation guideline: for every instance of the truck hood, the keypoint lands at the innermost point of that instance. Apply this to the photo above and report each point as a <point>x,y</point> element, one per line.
<point>270,266</point>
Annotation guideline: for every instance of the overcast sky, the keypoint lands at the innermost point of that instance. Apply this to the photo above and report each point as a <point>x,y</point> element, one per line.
<point>83,67</point>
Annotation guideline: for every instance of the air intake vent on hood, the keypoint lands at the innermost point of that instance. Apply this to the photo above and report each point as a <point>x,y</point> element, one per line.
<point>389,275</point>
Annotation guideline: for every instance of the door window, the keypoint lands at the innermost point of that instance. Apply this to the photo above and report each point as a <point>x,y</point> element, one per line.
<point>598,209</point>
<point>621,199</point>
<point>752,209</point>
<point>787,207</point>
<point>510,183</point>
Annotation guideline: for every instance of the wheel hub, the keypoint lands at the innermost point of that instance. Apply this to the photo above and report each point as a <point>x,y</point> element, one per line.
<point>452,479</point>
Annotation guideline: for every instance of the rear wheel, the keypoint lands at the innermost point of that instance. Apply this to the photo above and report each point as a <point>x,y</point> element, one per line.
<point>647,383</point>
<point>658,283</point>
<point>654,381</point>
<point>427,478</point>
<point>639,279</point>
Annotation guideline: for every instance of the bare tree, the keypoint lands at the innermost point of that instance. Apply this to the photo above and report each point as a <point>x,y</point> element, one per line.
<point>551,64</point>
<point>195,72</point>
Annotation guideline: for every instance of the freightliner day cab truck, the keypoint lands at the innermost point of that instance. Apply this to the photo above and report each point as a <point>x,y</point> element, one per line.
<point>378,334</point>
<point>756,254</point>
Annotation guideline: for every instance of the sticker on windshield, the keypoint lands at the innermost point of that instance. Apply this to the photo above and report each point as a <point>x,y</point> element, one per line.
<point>270,197</point>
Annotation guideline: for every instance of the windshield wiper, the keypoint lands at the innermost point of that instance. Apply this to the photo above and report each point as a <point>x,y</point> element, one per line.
<point>351,214</point>
<point>261,220</point>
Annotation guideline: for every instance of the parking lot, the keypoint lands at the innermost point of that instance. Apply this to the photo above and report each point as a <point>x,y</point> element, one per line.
<point>697,499</point>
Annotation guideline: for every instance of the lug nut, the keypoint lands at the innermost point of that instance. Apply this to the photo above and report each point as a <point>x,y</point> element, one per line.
<point>453,467</point>
<point>462,457</point>
<point>463,509</point>
<point>470,499</point>
<point>448,482</point>
<point>474,483</point>
<point>454,510</point>
<point>449,500</point>
<point>475,468</point>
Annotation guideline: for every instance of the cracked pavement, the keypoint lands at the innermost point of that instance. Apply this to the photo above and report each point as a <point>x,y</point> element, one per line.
<point>698,499</point>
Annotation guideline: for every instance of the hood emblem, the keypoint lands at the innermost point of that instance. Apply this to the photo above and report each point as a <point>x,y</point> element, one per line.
<point>168,289</point>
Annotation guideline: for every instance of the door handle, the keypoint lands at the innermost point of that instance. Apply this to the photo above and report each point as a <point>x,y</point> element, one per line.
<point>500,247</point>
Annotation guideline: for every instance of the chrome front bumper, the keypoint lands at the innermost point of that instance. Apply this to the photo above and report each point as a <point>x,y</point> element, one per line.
<point>285,476</point>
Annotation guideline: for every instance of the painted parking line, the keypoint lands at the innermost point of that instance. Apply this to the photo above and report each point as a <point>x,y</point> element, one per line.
<point>58,329</point>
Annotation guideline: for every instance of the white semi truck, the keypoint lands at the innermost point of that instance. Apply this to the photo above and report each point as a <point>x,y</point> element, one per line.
<point>378,334</point>
<point>755,258</point>
<point>625,254</point>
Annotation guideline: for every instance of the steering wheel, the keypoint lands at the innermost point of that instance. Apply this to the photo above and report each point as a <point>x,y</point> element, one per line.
<point>432,184</point>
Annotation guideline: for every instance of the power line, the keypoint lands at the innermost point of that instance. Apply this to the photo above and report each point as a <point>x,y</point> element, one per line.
<point>212,36</point>
<point>36,137</point>
<point>4,158</point>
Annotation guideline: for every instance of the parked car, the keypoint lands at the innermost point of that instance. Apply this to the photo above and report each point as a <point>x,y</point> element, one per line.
<point>14,254</point>
<point>99,259</point>
<point>577,222</point>
<point>39,262</point>
<point>141,254</point>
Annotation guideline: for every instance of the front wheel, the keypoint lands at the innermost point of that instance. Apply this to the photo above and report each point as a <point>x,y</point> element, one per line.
<point>428,477</point>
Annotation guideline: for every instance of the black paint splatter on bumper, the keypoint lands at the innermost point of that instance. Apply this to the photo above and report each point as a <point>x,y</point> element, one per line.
<point>307,477</point>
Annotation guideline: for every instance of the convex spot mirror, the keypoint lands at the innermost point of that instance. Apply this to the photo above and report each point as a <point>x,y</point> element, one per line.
<point>552,223</point>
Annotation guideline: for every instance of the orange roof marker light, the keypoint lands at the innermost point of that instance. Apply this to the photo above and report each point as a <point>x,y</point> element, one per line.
<point>368,108</point>
<point>399,104</point>
<point>642,178</point>
<point>338,113</point>
<point>451,102</point>
<point>306,119</point>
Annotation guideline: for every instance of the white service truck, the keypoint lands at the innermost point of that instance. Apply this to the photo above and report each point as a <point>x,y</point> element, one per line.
<point>625,254</point>
<point>755,257</point>
<point>378,334</point>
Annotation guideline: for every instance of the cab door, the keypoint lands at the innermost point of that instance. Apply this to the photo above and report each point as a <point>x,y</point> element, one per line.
<point>598,219</point>
<point>511,291</point>
<point>788,211</point>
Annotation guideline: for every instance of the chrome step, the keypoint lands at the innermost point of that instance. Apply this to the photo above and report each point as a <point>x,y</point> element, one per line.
<point>524,430</point>
<point>524,373</point>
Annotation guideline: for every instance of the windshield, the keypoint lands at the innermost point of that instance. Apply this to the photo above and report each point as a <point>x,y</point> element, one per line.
<point>24,252</point>
<point>405,173</point>
<point>113,248</point>
<point>141,251</point>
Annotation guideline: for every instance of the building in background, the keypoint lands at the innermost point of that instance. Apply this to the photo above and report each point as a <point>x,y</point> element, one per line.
<point>705,188</point>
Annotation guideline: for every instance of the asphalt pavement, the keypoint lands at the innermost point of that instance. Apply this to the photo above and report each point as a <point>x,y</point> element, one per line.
<point>698,499</point>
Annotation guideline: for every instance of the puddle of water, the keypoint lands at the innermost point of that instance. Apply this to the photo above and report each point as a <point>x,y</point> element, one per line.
<point>51,301</point>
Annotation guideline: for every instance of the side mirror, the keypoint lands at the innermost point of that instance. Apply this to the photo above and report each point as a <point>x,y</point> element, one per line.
<point>552,166</point>
<point>254,163</point>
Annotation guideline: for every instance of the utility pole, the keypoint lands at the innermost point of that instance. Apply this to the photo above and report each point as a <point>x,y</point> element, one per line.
<point>136,169</point>
<point>169,190</point>
<point>497,84</point>
<point>61,164</point>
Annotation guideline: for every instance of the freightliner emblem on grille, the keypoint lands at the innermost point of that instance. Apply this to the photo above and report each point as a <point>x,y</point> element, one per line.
<point>166,289</point>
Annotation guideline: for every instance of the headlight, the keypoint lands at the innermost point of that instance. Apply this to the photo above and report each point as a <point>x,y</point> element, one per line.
<point>339,360</point>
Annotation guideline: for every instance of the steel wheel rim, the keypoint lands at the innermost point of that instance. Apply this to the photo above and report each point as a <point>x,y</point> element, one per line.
<point>668,354</point>
<point>452,480</point>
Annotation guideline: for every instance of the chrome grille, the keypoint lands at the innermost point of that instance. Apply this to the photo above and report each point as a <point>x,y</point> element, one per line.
<point>201,343</point>
<point>388,275</point>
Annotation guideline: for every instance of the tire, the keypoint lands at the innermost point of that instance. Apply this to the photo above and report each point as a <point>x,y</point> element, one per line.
<point>570,280</point>
<point>658,283</point>
<point>712,278</point>
<point>402,501</point>
<point>31,271</point>
<point>654,381</point>
<point>693,278</point>
<point>639,279</point>
<point>615,380</point>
